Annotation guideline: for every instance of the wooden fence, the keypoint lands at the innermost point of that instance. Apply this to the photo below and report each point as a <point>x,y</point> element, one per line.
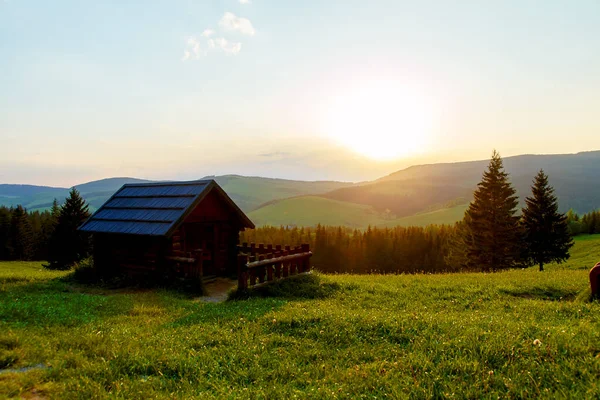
<point>261,264</point>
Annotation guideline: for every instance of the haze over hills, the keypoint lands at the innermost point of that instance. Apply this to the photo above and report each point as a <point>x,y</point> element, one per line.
<point>418,195</point>
<point>248,192</point>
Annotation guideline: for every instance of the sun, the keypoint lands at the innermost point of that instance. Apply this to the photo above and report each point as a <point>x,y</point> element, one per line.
<point>382,120</point>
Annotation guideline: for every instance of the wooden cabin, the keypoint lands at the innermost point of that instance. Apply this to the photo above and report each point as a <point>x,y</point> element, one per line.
<point>188,229</point>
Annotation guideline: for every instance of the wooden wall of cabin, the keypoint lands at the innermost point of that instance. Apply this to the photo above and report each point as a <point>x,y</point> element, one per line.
<point>116,253</point>
<point>213,228</point>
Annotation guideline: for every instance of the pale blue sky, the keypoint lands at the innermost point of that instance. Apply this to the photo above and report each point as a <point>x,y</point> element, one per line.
<point>91,89</point>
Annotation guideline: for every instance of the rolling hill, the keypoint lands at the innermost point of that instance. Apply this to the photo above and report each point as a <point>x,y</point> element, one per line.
<point>403,198</point>
<point>418,195</point>
<point>41,197</point>
<point>248,192</point>
<point>575,177</point>
<point>439,193</point>
<point>314,210</point>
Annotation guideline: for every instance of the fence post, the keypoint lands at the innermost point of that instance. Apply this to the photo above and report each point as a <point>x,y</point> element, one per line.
<point>242,272</point>
<point>261,270</point>
<point>306,260</point>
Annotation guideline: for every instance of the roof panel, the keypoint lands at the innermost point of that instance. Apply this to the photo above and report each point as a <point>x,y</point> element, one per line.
<point>149,202</point>
<point>138,215</point>
<point>139,228</point>
<point>161,190</point>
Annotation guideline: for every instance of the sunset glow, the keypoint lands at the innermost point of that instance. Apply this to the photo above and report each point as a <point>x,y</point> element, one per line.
<point>381,119</point>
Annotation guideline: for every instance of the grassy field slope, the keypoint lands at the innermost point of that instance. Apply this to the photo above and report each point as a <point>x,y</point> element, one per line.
<point>438,217</point>
<point>403,198</point>
<point>515,334</point>
<point>250,192</point>
<point>312,210</point>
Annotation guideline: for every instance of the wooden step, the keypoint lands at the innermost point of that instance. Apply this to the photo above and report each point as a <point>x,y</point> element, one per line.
<point>209,278</point>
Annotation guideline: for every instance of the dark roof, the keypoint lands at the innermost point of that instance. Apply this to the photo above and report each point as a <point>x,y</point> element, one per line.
<point>155,209</point>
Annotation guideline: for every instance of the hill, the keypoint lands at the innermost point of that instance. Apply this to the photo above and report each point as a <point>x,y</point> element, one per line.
<point>403,198</point>
<point>513,334</point>
<point>248,192</point>
<point>427,192</point>
<point>437,193</point>
<point>41,197</point>
<point>574,176</point>
<point>314,210</point>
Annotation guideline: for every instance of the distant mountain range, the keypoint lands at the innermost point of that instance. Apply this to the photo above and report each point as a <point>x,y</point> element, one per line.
<point>418,195</point>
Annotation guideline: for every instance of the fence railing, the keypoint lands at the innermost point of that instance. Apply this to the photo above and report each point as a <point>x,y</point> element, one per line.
<point>261,264</point>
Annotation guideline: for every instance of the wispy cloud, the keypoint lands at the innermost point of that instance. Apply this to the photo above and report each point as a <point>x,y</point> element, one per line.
<point>230,22</point>
<point>208,33</point>
<point>201,45</point>
<point>245,1</point>
<point>192,49</point>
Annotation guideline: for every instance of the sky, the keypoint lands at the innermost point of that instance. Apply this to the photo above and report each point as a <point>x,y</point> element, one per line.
<point>314,89</point>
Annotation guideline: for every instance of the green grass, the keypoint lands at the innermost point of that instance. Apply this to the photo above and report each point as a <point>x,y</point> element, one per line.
<point>438,217</point>
<point>515,334</point>
<point>312,210</point>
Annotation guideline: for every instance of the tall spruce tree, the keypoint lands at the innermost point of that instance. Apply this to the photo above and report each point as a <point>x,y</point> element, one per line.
<point>546,231</point>
<point>67,244</point>
<point>494,230</point>
<point>5,216</point>
<point>21,235</point>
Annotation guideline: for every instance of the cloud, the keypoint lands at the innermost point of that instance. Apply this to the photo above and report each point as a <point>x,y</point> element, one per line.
<point>192,49</point>
<point>230,22</point>
<point>245,1</point>
<point>225,46</point>
<point>208,33</point>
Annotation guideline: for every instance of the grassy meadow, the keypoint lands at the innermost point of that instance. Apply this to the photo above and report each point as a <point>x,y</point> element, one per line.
<point>313,210</point>
<point>515,334</point>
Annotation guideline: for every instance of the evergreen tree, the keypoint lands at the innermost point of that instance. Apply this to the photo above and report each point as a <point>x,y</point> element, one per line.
<point>21,235</point>
<point>49,220</point>
<point>492,222</point>
<point>459,243</point>
<point>67,244</point>
<point>546,231</point>
<point>5,248</point>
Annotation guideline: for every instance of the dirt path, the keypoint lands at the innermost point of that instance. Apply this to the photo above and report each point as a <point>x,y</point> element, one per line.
<point>218,290</point>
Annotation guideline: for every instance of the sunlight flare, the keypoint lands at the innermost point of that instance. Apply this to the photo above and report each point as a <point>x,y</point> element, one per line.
<point>382,120</point>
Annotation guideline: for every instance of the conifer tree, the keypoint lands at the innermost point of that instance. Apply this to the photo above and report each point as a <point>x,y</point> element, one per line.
<point>546,231</point>
<point>68,245</point>
<point>491,221</point>
<point>21,235</point>
<point>5,217</point>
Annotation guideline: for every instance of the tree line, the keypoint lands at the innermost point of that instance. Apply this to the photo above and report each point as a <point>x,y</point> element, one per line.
<point>588,223</point>
<point>49,235</point>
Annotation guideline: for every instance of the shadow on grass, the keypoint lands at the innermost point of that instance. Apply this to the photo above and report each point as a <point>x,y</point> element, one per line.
<point>542,293</point>
<point>86,280</point>
<point>306,286</point>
